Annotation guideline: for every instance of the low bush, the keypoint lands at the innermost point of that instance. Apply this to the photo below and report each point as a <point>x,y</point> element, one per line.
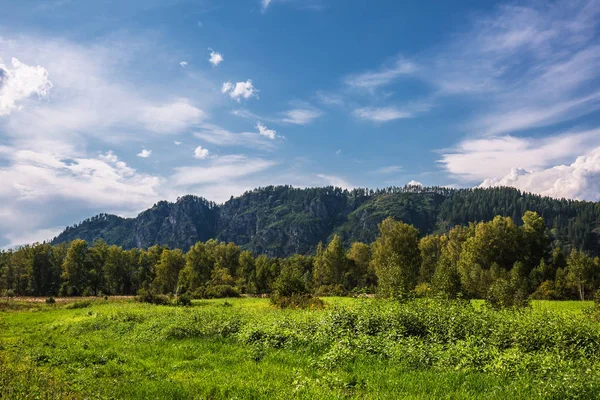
<point>148,296</point>
<point>297,300</point>
<point>423,290</point>
<point>78,304</point>
<point>503,294</point>
<point>220,292</point>
<point>50,300</point>
<point>183,300</point>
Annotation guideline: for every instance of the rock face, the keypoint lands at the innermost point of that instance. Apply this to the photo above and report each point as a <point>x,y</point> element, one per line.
<point>281,220</point>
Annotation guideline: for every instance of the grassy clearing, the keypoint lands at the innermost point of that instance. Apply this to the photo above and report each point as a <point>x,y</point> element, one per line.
<point>244,348</point>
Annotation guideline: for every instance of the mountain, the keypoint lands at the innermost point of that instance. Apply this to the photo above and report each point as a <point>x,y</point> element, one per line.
<point>282,220</point>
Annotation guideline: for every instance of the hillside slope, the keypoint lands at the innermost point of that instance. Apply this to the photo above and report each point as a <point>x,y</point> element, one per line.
<point>281,220</point>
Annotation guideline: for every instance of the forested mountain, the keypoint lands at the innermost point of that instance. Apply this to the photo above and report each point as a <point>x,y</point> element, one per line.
<point>281,220</point>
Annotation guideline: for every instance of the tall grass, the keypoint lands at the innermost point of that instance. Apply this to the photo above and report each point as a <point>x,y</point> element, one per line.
<point>244,348</point>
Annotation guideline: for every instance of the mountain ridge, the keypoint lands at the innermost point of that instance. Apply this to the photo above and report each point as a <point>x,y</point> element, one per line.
<point>283,220</point>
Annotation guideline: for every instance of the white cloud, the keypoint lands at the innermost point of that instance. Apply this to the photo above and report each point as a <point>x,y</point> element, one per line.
<point>300,116</point>
<point>579,180</point>
<point>177,143</point>
<point>221,137</point>
<point>35,182</point>
<point>172,117</point>
<point>183,63</point>
<point>384,114</point>
<point>36,236</point>
<point>297,116</point>
<point>414,183</point>
<point>19,82</point>
<point>241,90</point>
<point>104,180</point>
<point>392,169</point>
<point>50,167</point>
<point>336,181</point>
<point>227,87</point>
<point>90,99</point>
<point>201,153</point>
<point>144,153</point>
<point>338,152</point>
<point>220,170</point>
<point>528,65</point>
<point>264,4</point>
<point>479,159</point>
<point>215,58</point>
<point>330,99</point>
<point>266,132</point>
<point>384,76</point>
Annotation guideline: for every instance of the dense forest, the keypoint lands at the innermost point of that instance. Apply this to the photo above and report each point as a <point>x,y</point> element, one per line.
<point>504,262</point>
<point>279,221</point>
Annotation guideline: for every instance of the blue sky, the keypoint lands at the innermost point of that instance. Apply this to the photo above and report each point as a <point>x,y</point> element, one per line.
<point>110,106</point>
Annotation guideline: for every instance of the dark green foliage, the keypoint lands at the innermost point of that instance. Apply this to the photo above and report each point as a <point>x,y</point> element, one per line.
<point>78,304</point>
<point>220,292</point>
<point>183,300</point>
<point>280,221</point>
<point>396,258</point>
<point>148,296</point>
<point>501,260</point>
<point>331,290</point>
<point>50,300</point>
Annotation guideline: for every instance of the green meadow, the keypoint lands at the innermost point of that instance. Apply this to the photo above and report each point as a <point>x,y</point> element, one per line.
<point>246,349</point>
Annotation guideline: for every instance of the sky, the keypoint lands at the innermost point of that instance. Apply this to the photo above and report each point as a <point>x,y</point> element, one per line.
<point>110,106</point>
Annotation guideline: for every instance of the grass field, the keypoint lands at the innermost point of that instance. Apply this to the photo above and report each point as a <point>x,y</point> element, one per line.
<point>244,349</point>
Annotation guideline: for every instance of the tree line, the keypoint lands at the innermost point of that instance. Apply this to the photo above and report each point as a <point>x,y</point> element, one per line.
<point>497,260</point>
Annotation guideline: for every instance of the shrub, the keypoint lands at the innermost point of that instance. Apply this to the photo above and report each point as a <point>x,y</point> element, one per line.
<point>50,300</point>
<point>220,291</point>
<point>504,294</point>
<point>331,290</point>
<point>423,290</point>
<point>297,300</point>
<point>184,300</point>
<point>597,298</point>
<point>79,304</point>
<point>148,296</point>
<point>544,292</point>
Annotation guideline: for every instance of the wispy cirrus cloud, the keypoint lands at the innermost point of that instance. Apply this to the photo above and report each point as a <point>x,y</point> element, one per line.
<point>529,66</point>
<point>383,114</point>
<point>300,116</point>
<point>385,75</point>
<point>311,5</point>
<point>391,169</point>
<point>220,169</point>
<point>303,114</point>
<point>219,136</point>
<point>56,151</point>
<point>337,181</point>
<point>526,65</point>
